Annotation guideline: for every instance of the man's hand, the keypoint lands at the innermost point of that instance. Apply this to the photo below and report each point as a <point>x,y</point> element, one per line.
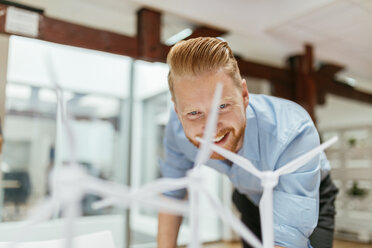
<point>168,227</point>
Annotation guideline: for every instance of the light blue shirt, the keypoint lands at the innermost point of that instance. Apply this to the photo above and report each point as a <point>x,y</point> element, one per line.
<point>277,131</point>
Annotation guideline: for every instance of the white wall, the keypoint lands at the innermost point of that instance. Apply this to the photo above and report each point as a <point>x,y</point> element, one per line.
<point>342,112</point>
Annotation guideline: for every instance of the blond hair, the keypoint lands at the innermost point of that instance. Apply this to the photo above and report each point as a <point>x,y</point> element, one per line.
<point>196,56</point>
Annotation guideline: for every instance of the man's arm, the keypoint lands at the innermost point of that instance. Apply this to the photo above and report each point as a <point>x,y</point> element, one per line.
<point>174,165</point>
<point>168,227</point>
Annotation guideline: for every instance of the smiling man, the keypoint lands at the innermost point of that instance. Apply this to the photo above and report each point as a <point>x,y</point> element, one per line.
<point>266,130</point>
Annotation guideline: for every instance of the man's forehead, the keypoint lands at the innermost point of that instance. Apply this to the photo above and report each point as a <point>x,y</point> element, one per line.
<point>195,89</point>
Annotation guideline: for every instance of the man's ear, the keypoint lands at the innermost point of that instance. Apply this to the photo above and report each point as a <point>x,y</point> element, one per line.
<point>174,104</point>
<point>245,93</point>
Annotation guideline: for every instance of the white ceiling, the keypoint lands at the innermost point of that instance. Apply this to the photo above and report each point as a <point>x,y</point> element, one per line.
<point>266,31</point>
<point>341,31</point>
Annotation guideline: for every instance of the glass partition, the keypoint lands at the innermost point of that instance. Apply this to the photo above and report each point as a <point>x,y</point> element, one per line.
<point>96,87</point>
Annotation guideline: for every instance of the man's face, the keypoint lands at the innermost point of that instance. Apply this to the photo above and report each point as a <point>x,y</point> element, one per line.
<point>193,98</point>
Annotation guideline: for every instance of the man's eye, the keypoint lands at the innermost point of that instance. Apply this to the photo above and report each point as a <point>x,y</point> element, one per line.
<point>222,106</point>
<point>193,113</point>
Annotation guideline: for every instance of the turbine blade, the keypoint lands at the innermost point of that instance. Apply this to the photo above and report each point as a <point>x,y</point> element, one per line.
<point>229,218</point>
<point>160,203</point>
<point>71,211</point>
<point>106,202</point>
<point>164,185</point>
<point>52,74</point>
<point>205,150</point>
<point>302,160</point>
<point>194,217</point>
<point>267,218</point>
<point>235,158</point>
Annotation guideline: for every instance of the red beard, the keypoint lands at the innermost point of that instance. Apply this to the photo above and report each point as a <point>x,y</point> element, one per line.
<point>232,141</point>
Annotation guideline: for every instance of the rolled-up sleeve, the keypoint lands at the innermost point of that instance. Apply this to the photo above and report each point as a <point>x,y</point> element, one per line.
<point>296,198</point>
<point>293,219</point>
<point>175,164</point>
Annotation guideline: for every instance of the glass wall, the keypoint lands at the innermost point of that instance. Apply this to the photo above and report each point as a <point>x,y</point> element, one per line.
<point>96,87</point>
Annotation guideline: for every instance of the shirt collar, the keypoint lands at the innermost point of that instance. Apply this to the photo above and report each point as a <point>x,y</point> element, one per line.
<point>250,148</point>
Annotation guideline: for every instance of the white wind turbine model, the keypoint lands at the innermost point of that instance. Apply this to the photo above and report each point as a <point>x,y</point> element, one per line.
<point>71,182</point>
<point>194,181</point>
<point>269,179</point>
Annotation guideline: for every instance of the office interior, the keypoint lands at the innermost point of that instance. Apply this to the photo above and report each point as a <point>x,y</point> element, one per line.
<point>109,58</point>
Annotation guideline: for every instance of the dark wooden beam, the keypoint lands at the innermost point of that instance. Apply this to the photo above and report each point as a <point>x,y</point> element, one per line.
<point>257,70</point>
<point>304,89</point>
<point>148,33</point>
<point>283,90</point>
<point>349,92</point>
<point>3,8</point>
<point>327,84</point>
<point>164,52</point>
<point>309,87</point>
<point>67,33</point>
<point>280,78</point>
<point>203,31</point>
<point>330,69</point>
<point>325,73</point>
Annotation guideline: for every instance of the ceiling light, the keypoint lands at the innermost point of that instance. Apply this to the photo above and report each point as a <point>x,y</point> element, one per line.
<point>179,36</point>
<point>350,81</point>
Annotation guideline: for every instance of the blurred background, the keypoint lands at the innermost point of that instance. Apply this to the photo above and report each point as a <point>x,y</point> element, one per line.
<point>109,57</point>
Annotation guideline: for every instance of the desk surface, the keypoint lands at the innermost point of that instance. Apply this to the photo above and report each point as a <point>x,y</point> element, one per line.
<point>93,240</point>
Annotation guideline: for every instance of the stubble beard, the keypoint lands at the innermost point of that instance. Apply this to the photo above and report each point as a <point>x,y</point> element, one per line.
<point>233,144</point>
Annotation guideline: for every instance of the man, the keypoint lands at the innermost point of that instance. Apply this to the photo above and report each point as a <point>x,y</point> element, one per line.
<point>266,130</point>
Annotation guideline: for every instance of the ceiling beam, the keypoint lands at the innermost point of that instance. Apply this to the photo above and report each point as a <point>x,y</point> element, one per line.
<point>325,73</point>
<point>148,33</point>
<point>67,33</point>
<point>347,91</point>
<point>203,31</point>
<point>257,70</point>
<point>326,83</point>
<point>304,84</point>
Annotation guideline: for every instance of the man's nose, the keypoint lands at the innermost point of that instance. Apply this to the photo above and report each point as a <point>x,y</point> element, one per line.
<point>218,126</point>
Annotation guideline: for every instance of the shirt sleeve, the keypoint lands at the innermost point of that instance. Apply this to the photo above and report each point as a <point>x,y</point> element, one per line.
<point>296,198</point>
<point>175,164</point>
